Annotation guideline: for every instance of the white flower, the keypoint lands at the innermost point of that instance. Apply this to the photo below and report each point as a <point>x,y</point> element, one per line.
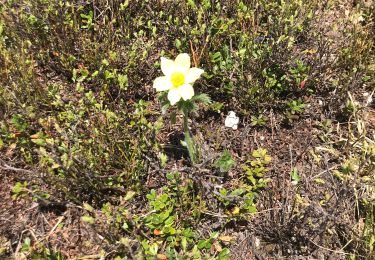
<point>232,120</point>
<point>178,78</point>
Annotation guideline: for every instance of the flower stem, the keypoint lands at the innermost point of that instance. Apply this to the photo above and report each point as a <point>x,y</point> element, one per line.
<point>188,139</point>
<point>186,127</point>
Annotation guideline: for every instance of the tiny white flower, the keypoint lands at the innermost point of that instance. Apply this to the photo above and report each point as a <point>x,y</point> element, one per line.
<point>232,120</point>
<point>178,78</point>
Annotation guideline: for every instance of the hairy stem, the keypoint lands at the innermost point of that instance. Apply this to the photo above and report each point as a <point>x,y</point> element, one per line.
<point>189,140</point>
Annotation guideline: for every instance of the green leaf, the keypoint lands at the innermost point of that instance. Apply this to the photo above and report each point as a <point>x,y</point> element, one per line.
<point>40,142</point>
<point>251,209</point>
<point>196,253</point>
<point>224,254</point>
<point>214,235</point>
<point>169,221</point>
<point>129,195</point>
<point>178,43</point>
<point>294,175</point>
<point>88,219</point>
<point>225,163</point>
<point>88,207</point>
<point>26,244</point>
<point>165,107</point>
<point>184,243</point>
<point>163,160</point>
<point>19,122</point>
<point>173,118</point>
<point>123,81</point>
<point>19,187</point>
<point>201,244</point>
<point>203,98</point>
<point>154,249</point>
<point>105,62</point>
<point>125,226</point>
<point>319,181</point>
<point>192,149</point>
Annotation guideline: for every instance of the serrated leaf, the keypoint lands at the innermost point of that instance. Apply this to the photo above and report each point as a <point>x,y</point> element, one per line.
<point>203,98</point>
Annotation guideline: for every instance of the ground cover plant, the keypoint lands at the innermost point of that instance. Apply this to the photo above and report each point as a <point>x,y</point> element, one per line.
<point>95,163</point>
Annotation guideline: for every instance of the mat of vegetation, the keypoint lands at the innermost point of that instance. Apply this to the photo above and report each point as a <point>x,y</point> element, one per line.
<point>92,167</point>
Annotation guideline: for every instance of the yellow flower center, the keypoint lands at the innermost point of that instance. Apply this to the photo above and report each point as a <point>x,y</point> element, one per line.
<point>177,79</point>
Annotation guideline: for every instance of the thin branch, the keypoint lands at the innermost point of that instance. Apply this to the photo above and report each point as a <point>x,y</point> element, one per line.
<point>7,167</point>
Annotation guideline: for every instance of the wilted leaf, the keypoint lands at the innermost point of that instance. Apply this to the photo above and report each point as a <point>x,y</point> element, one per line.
<point>157,232</point>
<point>161,256</point>
<point>226,238</point>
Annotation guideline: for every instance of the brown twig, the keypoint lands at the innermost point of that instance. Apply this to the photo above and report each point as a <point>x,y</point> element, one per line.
<point>193,54</point>
<point>7,167</point>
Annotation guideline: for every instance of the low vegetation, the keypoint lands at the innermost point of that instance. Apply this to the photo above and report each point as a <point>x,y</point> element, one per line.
<point>92,161</point>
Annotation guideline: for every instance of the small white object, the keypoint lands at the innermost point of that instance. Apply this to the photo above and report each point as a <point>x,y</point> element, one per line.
<point>369,100</point>
<point>232,120</point>
<point>368,97</point>
<point>257,242</point>
<point>262,138</point>
<point>320,102</point>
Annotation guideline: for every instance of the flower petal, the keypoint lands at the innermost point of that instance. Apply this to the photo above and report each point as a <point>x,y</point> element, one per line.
<point>182,61</point>
<point>162,83</point>
<point>186,91</point>
<point>167,66</point>
<point>193,74</point>
<point>174,96</point>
